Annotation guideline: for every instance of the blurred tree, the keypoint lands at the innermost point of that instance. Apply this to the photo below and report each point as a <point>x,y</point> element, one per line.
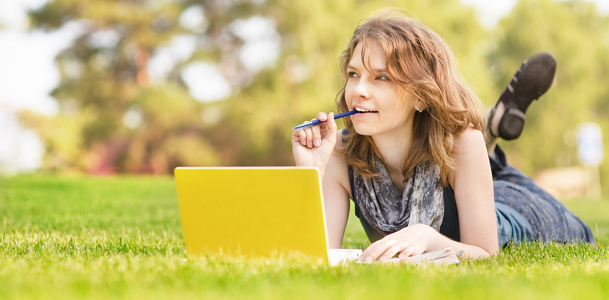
<point>115,117</point>
<point>307,78</point>
<point>578,36</point>
<point>105,82</point>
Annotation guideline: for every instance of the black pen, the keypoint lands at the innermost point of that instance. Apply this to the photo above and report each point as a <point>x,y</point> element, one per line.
<point>316,121</point>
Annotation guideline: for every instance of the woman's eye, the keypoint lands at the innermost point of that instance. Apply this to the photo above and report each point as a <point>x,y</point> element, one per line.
<point>384,78</point>
<point>352,75</point>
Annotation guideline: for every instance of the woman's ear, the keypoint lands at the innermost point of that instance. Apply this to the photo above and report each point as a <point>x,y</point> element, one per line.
<point>420,105</point>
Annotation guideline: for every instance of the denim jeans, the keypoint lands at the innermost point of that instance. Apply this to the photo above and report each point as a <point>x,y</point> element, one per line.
<point>527,212</point>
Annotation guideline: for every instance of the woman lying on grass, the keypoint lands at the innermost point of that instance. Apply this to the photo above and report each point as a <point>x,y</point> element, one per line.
<point>415,159</point>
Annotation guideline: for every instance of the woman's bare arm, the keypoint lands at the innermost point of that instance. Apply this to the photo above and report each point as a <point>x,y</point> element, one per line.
<point>336,197</point>
<point>472,183</point>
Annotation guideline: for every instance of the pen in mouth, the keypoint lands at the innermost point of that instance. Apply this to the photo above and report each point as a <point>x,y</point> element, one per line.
<point>315,122</point>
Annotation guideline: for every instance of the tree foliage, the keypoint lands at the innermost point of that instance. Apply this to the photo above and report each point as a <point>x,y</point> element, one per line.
<point>578,37</point>
<point>106,81</point>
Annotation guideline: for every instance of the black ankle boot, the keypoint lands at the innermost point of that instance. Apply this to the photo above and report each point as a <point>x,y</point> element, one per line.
<point>532,79</point>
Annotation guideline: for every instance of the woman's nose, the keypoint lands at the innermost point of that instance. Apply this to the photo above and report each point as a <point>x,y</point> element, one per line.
<point>361,89</point>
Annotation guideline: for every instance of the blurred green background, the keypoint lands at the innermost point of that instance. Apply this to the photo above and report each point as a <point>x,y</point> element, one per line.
<point>118,116</point>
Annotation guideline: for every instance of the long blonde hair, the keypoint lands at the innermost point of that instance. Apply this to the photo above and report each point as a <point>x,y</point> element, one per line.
<point>422,64</point>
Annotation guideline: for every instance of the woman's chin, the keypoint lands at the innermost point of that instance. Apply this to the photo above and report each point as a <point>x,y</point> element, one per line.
<point>362,130</point>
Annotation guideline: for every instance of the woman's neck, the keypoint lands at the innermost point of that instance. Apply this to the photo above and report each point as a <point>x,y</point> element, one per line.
<point>393,147</point>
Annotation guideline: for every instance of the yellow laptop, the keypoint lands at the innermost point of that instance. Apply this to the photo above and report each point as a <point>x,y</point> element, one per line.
<point>252,211</point>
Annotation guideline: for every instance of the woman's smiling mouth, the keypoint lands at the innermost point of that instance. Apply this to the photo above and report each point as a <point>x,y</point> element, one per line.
<point>361,110</point>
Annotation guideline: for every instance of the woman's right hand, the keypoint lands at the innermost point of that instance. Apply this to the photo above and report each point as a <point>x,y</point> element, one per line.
<point>313,146</point>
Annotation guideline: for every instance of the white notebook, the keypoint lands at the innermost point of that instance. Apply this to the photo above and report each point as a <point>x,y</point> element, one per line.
<point>443,256</point>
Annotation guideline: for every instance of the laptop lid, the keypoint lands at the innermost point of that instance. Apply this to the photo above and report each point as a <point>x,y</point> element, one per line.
<point>251,211</point>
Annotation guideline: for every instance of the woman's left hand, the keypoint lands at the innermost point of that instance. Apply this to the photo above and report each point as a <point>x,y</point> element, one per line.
<point>409,241</point>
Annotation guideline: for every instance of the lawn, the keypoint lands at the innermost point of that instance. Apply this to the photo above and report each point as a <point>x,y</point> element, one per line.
<point>120,237</point>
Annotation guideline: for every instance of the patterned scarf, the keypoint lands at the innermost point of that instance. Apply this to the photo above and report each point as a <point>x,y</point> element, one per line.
<point>382,206</point>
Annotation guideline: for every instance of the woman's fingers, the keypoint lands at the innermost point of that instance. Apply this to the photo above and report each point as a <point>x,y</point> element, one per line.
<point>317,130</point>
<point>299,136</point>
<point>385,250</point>
<point>406,242</point>
<point>322,116</point>
<point>375,250</point>
<point>409,251</point>
<point>303,137</point>
<point>312,136</point>
<point>316,136</point>
<point>308,136</point>
<point>393,250</point>
<point>313,145</point>
<point>332,128</point>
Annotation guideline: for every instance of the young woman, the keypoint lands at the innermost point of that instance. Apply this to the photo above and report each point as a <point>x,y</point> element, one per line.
<point>415,159</point>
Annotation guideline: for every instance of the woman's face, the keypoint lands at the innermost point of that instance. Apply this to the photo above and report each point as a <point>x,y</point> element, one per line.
<point>388,108</point>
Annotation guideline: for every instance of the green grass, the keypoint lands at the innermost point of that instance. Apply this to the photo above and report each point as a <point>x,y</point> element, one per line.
<point>120,237</point>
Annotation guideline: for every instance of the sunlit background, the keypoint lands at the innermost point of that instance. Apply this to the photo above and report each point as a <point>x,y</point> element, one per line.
<point>143,86</point>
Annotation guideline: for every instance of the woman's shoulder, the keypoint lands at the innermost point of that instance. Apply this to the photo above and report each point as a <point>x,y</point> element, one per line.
<point>470,156</point>
<point>468,137</point>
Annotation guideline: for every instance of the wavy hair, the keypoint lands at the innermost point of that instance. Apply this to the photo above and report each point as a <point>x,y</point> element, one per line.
<point>422,64</point>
